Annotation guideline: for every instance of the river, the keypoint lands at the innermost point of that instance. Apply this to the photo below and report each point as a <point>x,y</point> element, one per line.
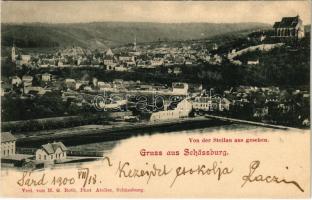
<point>108,146</point>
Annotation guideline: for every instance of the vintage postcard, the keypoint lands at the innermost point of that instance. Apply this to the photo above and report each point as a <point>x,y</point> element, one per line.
<point>183,99</point>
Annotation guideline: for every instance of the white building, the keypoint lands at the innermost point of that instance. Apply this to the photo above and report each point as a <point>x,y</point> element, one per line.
<point>202,103</point>
<point>211,104</point>
<point>16,80</point>
<point>25,59</point>
<point>177,70</point>
<point>182,110</point>
<point>88,88</point>
<point>51,152</point>
<point>126,58</point>
<point>112,104</point>
<point>46,77</point>
<point>121,68</point>
<point>180,88</point>
<point>109,59</point>
<point>27,80</point>
<point>70,83</point>
<point>103,86</point>
<point>7,144</point>
<point>253,62</point>
<point>70,80</point>
<point>38,90</point>
<point>157,62</point>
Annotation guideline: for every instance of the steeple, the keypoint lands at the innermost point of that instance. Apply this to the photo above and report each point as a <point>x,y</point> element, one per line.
<point>134,43</point>
<point>109,52</point>
<point>13,53</point>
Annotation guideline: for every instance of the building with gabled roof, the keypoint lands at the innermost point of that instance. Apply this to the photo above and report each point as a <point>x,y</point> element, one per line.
<point>51,152</point>
<point>109,52</point>
<point>7,144</point>
<point>289,27</point>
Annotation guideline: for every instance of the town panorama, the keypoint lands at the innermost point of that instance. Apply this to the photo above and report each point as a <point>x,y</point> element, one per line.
<point>59,88</point>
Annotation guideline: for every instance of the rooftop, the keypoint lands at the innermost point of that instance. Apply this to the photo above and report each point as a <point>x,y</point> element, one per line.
<point>287,22</point>
<point>7,137</point>
<point>50,148</point>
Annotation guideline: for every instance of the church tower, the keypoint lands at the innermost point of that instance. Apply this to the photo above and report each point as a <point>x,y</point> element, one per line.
<point>13,53</point>
<point>134,44</point>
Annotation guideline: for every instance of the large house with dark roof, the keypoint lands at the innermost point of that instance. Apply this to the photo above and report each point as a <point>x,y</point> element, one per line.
<point>289,27</point>
<point>51,152</point>
<point>7,144</point>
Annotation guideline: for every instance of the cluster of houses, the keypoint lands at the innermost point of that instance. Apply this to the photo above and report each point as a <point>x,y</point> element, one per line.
<point>25,84</point>
<point>124,59</point>
<point>118,59</point>
<point>149,56</point>
<point>131,87</point>
<point>83,92</point>
<point>261,102</point>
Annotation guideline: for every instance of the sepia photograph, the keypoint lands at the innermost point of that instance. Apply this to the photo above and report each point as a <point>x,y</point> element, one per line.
<point>155,99</point>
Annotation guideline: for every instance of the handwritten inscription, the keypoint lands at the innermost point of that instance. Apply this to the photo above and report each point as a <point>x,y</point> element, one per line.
<point>251,177</point>
<point>124,171</point>
<point>203,170</point>
<point>28,180</point>
<point>149,171</point>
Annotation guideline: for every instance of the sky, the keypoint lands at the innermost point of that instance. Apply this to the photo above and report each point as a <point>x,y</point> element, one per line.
<point>155,11</point>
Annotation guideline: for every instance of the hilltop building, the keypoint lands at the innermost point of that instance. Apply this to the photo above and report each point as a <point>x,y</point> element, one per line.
<point>289,27</point>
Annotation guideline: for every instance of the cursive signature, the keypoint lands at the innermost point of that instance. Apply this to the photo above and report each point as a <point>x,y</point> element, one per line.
<point>203,170</point>
<point>267,179</point>
<point>124,170</point>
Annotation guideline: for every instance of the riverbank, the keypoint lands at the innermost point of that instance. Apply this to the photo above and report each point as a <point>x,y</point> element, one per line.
<point>234,120</point>
<point>114,131</point>
<point>120,130</point>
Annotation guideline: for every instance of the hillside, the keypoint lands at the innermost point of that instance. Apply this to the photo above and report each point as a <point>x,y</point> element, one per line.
<point>104,34</point>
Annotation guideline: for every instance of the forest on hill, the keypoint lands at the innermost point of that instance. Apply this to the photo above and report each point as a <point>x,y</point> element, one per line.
<point>108,34</point>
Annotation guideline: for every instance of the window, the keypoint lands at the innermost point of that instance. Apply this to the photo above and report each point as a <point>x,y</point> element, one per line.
<point>51,156</point>
<point>4,152</point>
<point>45,157</point>
<point>39,157</point>
<point>8,152</point>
